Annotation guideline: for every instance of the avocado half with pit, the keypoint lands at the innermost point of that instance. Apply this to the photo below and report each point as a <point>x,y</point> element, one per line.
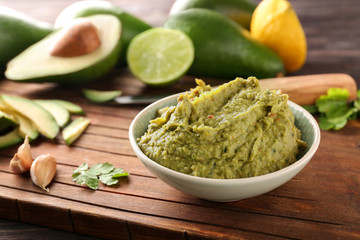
<point>83,50</point>
<point>131,25</point>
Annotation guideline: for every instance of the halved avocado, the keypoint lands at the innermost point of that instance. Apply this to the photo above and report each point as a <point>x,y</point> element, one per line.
<point>42,119</point>
<point>36,64</point>
<point>131,25</point>
<point>10,138</point>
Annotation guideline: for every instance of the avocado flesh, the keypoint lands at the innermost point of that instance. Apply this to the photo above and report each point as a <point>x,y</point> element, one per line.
<point>60,114</point>
<point>131,26</point>
<point>238,10</point>
<point>223,49</point>
<point>10,138</point>
<point>17,32</point>
<point>71,107</point>
<point>26,127</point>
<point>6,121</point>
<point>100,96</point>
<point>42,119</point>
<point>75,129</point>
<point>36,64</point>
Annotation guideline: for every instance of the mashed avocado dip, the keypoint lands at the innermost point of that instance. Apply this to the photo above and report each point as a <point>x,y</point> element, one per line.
<point>233,131</point>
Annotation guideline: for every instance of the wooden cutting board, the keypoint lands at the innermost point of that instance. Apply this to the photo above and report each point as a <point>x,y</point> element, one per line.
<point>320,202</point>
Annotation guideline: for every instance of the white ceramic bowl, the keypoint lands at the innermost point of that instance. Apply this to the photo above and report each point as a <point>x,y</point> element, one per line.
<point>226,190</point>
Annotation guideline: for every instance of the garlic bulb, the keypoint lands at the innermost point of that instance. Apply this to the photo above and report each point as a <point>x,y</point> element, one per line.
<point>22,160</point>
<point>43,170</point>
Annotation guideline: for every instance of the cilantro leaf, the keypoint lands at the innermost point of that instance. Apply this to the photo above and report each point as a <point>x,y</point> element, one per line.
<point>324,124</point>
<point>335,98</point>
<point>311,108</point>
<point>104,172</point>
<point>338,93</point>
<point>110,178</point>
<point>325,103</point>
<point>119,172</point>
<point>334,109</point>
<point>77,173</point>
<point>101,168</point>
<point>342,112</point>
<point>92,183</point>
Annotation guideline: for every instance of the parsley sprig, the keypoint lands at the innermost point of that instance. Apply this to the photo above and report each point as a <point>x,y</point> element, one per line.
<point>104,172</point>
<point>334,109</point>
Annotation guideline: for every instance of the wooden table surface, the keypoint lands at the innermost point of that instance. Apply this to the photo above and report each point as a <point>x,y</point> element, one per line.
<point>322,202</point>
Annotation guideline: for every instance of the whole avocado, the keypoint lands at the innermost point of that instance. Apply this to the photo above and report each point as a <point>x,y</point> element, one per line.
<point>223,49</point>
<point>131,25</point>
<point>17,32</point>
<point>238,10</point>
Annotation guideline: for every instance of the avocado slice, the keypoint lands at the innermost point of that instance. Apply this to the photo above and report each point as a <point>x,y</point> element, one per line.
<point>18,32</point>
<point>36,64</point>
<point>224,49</point>
<point>75,129</point>
<point>42,119</point>
<point>60,114</point>
<point>26,127</point>
<point>131,25</point>
<point>71,107</point>
<point>6,121</point>
<point>10,138</point>
<point>100,96</point>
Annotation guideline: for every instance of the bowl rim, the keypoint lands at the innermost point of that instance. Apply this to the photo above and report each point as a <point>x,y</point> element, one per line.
<point>303,160</point>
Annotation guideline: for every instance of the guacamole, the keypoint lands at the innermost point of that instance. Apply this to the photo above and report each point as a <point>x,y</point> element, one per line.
<point>233,131</point>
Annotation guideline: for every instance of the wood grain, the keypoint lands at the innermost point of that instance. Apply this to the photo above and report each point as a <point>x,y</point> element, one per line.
<point>322,202</point>
<point>304,90</point>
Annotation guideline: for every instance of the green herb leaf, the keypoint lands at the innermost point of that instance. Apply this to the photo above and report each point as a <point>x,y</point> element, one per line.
<point>324,124</point>
<point>338,93</point>
<point>340,113</point>
<point>104,172</point>
<point>119,172</point>
<point>101,168</point>
<point>110,178</point>
<point>311,108</point>
<point>335,110</point>
<point>335,98</point>
<point>357,104</point>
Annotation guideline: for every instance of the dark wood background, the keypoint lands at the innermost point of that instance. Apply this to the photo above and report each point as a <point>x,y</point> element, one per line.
<point>333,35</point>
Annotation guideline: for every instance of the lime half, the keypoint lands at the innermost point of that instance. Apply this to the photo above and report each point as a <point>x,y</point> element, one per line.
<point>160,56</point>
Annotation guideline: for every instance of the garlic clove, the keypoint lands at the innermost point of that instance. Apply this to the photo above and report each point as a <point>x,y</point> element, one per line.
<point>16,166</point>
<point>22,160</point>
<point>43,170</point>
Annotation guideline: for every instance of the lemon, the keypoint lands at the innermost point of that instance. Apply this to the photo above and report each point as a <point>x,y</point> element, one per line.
<point>275,24</point>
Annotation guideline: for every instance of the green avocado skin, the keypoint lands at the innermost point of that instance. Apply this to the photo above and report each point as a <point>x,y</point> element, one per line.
<point>238,10</point>
<point>9,139</point>
<point>223,49</point>
<point>17,33</point>
<point>131,26</point>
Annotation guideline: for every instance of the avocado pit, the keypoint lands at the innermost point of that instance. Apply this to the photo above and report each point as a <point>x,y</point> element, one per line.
<point>79,39</point>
